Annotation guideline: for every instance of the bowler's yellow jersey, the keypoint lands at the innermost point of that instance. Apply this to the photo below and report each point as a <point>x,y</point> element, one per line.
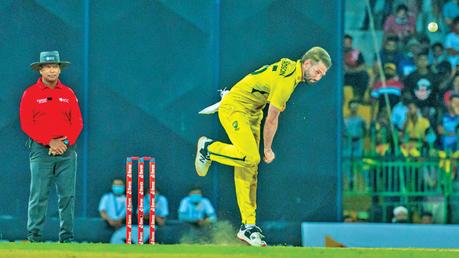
<point>273,83</point>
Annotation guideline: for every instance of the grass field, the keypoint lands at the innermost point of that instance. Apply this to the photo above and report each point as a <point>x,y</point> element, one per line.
<point>52,250</point>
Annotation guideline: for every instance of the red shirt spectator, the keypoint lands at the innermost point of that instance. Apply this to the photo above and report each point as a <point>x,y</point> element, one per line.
<point>400,24</point>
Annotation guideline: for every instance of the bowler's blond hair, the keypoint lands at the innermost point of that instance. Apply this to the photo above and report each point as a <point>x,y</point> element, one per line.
<point>317,54</point>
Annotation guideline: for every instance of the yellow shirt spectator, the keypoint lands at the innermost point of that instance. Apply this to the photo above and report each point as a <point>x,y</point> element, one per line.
<point>417,131</point>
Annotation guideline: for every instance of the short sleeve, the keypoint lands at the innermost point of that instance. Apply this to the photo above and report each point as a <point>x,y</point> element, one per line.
<point>281,92</point>
<point>162,208</point>
<point>209,208</point>
<point>103,203</point>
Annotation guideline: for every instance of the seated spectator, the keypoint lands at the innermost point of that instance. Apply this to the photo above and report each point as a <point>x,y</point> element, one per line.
<point>196,209</point>
<point>389,54</point>
<point>161,212</point>
<point>381,131</point>
<point>454,90</point>
<point>355,73</point>
<point>436,56</point>
<point>400,215</point>
<point>424,44</point>
<point>393,88</point>
<point>354,132</point>
<point>427,218</point>
<point>400,24</point>
<point>450,11</point>
<point>161,208</point>
<point>415,131</point>
<point>400,111</point>
<point>449,125</point>
<point>112,205</point>
<point>452,43</point>
<point>445,77</point>
<point>422,86</point>
<point>407,64</point>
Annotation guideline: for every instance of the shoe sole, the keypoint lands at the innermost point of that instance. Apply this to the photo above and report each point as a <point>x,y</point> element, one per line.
<point>248,243</point>
<point>201,141</point>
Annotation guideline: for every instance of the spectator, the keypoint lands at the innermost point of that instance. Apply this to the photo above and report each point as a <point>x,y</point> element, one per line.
<point>354,132</point>
<point>355,74</point>
<point>407,63</point>
<point>427,218</point>
<point>161,208</point>
<point>400,215</point>
<point>196,209</point>
<point>445,77</point>
<point>422,86</point>
<point>112,205</point>
<point>51,117</point>
<point>452,43</point>
<point>381,130</point>
<point>400,111</point>
<point>389,54</point>
<point>415,131</point>
<point>161,212</point>
<point>449,125</point>
<point>424,43</point>
<point>454,90</point>
<point>436,56</point>
<point>400,24</point>
<point>450,11</point>
<point>392,87</point>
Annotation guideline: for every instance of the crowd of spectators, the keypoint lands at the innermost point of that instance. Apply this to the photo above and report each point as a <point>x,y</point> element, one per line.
<point>411,87</point>
<point>410,92</point>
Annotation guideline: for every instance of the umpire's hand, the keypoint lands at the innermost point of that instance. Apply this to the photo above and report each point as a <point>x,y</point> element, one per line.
<point>57,146</point>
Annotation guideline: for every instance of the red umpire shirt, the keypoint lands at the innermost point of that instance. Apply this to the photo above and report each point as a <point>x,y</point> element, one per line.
<point>47,113</point>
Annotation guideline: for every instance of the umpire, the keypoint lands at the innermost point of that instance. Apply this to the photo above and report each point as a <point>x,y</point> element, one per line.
<point>51,117</point>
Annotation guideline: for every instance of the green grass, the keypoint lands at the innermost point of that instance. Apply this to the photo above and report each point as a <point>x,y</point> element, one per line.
<point>52,250</point>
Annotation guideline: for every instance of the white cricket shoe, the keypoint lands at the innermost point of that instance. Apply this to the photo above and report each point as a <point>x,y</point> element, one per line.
<point>251,235</point>
<point>202,161</point>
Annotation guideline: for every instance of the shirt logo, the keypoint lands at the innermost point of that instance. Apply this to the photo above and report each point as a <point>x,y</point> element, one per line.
<point>284,67</point>
<point>423,89</point>
<point>236,125</point>
<point>41,101</point>
<point>64,100</point>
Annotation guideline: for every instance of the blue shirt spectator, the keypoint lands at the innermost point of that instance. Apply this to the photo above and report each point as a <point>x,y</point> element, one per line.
<point>196,209</point>
<point>451,43</point>
<point>399,113</point>
<point>450,11</point>
<point>112,206</point>
<point>161,208</point>
<point>449,125</point>
<point>355,128</point>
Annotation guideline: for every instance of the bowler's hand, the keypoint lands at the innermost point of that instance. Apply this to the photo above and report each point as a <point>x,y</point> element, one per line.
<point>57,146</point>
<point>269,156</point>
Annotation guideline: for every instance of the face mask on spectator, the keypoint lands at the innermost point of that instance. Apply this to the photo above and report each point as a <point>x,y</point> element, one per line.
<point>118,189</point>
<point>195,198</point>
<point>401,20</point>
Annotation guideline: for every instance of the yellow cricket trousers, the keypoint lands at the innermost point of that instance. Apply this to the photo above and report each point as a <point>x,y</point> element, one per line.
<point>243,130</point>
